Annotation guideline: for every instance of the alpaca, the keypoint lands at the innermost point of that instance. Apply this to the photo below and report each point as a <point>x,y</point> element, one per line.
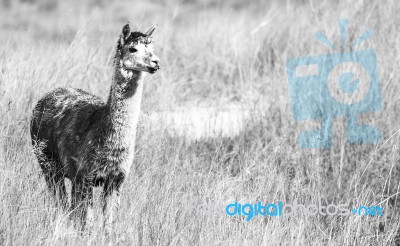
<point>78,136</point>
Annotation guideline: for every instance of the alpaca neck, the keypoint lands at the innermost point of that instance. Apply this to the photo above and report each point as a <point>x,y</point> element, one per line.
<point>124,105</point>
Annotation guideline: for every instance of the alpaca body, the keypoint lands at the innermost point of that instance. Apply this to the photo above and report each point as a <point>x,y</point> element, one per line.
<point>78,136</point>
<point>85,135</point>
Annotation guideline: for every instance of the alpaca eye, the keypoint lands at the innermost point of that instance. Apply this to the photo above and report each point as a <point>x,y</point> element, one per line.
<point>132,50</point>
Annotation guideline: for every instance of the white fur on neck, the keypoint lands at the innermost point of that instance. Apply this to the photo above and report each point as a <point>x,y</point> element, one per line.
<point>126,124</point>
<point>127,74</point>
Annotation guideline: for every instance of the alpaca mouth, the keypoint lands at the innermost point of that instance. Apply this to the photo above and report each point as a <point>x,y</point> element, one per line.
<point>145,67</point>
<point>152,70</point>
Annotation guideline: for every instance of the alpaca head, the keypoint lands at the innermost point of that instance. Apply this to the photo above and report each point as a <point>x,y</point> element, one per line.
<point>135,51</point>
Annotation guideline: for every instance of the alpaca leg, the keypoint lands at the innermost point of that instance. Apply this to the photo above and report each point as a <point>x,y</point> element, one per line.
<point>55,182</point>
<point>111,201</point>
<point>81,202</point>
<point>56,185</point>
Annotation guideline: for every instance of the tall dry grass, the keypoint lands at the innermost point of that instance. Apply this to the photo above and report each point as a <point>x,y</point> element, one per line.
<point>212,54</point>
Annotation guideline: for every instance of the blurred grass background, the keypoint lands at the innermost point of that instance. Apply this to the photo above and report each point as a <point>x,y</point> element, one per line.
<point>212,54</point>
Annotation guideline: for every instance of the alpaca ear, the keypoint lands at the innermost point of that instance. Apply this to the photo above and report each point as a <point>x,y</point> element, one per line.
<point>150,31</point>
<point>126,30</point>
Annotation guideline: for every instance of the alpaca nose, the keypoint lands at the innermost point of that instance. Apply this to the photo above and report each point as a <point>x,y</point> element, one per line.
<point>156,61</point>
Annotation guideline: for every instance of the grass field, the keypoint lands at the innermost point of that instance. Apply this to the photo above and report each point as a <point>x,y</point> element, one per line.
<point>212,54</point>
